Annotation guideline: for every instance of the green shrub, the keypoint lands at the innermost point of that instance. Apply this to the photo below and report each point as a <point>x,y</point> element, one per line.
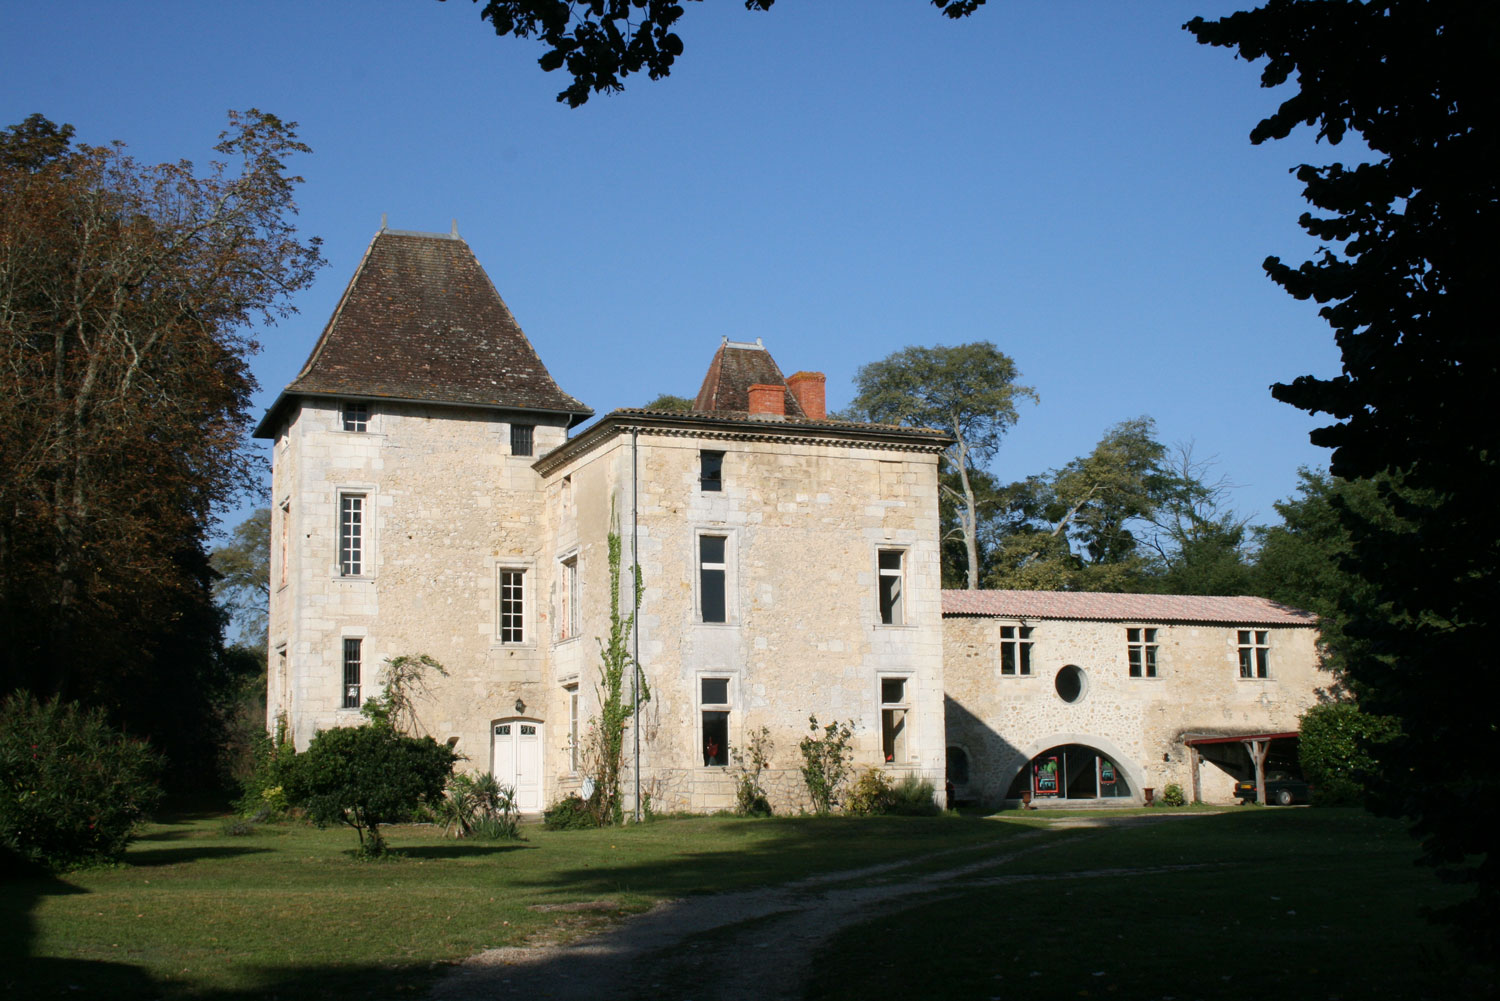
<point>478,806</point>
<point>825,762</point>
<point>870,795</point>
<point>913,797</point>
<point>365,776</point>
<point>571,813</point>
<point>749,797</point>
<point>72,788</point>
<point>263,788</point>
<point>1337,750</point>
<point>1172,795</point>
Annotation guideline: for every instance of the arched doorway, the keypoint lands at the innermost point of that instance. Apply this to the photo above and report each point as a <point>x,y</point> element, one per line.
<point>1072,771</point>
<point>516,759</point>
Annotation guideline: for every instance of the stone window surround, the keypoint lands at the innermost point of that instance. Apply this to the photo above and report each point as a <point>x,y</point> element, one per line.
<point>355,411</point>
<point>527,567</point>
<point>571,748</point>
<point>283,536</point>
<point>1025,634</point>
<point>906,741</point>
<point>731,574</point>
<point>1259,646</point>
<point>569,618</point>
<point>731,707</point>
<point>363,635</point>
<point>1149,638</point>
<point>368,532</point>
<point>886,546</point>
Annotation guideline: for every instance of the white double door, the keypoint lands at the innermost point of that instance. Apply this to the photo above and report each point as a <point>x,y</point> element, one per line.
<point>516,760</point>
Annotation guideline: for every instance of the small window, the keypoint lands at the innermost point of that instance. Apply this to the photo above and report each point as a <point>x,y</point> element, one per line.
<point>351,673</point>
<point>572,691</point>
<point>1255,653</point>
<point>284,547</point>
<point>1015,651</point>
<point>893,710</point>
<point>512,606</point>
<point>351,535</point>
<point>567,587</point>
<point>891,600</point>
<point>1140,648</point>
<point>354,415</point>
<point>520,438</point>
<point>1071,683</point>
<point>711,471</point>
<point>713,703</point>
<point>712,570</point>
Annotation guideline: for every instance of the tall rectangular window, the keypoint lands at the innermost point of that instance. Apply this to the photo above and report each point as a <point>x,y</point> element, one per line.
<point>1255,653</point>
<point>713,703</point>
<point>572,691</point>
<point>520,438</point>
<point>1015,650</point>
<point>512,606</point>
<point>354,415</point>
<point>1140,647</point>
<point>892,612</point>
<point>893,710</point>
<point>567,594</point>
<point>711,471</point>
<point>351,673</point>
<point>351,535</point>
<point>284,548</point>
<point>712,572</point>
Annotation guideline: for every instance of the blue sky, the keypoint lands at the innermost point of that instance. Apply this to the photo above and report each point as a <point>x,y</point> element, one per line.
<point>843,178</point>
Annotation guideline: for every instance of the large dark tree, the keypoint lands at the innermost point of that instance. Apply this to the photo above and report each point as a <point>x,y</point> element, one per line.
<point>1405,280</point>
<point>126,293</point>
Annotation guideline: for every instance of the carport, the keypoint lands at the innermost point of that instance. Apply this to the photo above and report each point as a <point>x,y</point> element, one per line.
<point>1257,745</point>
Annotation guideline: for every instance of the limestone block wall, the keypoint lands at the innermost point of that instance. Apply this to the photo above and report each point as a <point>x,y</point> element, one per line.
<point>803,523</point>
<point>1001,722</point>
<point>447,506</point>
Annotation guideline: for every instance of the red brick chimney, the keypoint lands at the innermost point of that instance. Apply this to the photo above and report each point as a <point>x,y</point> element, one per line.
<point>767,401</point>
<point>808,388</point>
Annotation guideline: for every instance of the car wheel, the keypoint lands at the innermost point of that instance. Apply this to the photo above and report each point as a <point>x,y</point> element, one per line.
<point>1284,797</point>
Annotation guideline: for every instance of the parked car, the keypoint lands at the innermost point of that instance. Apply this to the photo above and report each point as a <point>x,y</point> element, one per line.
<point>1282,788</point>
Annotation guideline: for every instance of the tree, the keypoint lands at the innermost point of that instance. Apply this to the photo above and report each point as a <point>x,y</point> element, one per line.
<point>1404,280</point>
<point>365,776</point>
<point>126,291</point>
<point>970,392</point>
<point>603,41</point>
<point>1200,544</point>
<point>244,584</point>
<point>666,401</point>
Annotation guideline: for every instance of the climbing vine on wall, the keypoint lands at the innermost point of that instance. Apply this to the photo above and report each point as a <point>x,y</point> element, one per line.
<point>605,764</point>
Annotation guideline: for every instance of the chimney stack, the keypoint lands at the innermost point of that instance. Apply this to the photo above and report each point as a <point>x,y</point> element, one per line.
<point>808,388</point>
<point>767,401</point>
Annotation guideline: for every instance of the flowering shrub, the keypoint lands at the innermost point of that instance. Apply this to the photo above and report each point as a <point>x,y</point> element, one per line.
<point>72,788</point>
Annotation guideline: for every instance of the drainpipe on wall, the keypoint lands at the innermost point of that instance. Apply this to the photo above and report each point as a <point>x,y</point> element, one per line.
<point>635,611</point>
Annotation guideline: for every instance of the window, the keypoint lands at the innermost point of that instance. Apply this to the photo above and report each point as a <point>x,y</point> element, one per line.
<point>354,415</point>
<point>567,588</point>
<point>1140,646</point>
<point>893,708</point>
<point>711,578</point>
<point>711,471</point>
<point>713,702</point>
<point>512,606</point>
<point>1255,653</point>
<point>351,673</point>
<point>572,691</point>
<point>520,438</point>
<point>284,549</point>
<point>351,535</point>
<point>1015,650</point>
<point>891,611</point>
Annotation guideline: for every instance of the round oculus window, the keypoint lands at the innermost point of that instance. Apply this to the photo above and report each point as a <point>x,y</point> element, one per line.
<point>1071,683</point>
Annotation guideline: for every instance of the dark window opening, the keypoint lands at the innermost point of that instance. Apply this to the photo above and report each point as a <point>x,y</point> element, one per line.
<point>711,471</point>
<point>520,438</point>
<point>351,673</point>
<point>711,577</point>
<point>891,612</point>
<point>1255,653</point>
<point>1071,683</point>
<point>355,416</point>
<point>1015,650</point>
<point>1140,645</point>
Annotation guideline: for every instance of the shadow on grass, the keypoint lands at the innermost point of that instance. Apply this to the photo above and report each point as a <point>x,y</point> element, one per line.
<point>469,851</point>
<point>47,978</point>
<point>146,858</point>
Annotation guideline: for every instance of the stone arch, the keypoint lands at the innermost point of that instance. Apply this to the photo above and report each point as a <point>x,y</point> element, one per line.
<point>1104,745</point>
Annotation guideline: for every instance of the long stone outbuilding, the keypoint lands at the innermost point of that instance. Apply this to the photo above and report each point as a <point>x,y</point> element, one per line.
<point>428,498</point>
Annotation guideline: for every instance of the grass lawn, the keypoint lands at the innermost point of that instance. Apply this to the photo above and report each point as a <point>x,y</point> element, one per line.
<point>287,913</point>
<point>1297,902</point>
<point>1249,904</point>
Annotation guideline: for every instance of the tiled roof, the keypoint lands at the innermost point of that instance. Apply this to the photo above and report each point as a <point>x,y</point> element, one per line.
<point>420,320</point>
<point>735,368</point>
<point>1124,607</point>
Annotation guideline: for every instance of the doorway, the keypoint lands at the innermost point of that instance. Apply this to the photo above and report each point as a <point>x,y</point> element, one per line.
<point>1071,771</point>
<point>516,760</point>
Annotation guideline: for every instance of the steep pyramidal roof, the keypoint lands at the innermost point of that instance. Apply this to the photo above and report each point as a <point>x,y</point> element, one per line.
<point>735,368</point>
<point>421,321</point>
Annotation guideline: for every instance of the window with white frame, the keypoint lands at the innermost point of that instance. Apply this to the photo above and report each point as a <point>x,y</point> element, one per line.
<point>521,438</point>
<point>1015,651</point>
<point>352,671</point>
<point>1255,653</point>
<point>352,538</point>
<point>567,598</point>
<point>711,471</point>
<point>894,706</point>
<point>891,566</point>
<point>713,573</point>
<point>713,705</point>
<point>354,415</point>
<point>1140,649</point>
<point>572,691</point>
<point>284,546</point>
<point>512,605</point>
